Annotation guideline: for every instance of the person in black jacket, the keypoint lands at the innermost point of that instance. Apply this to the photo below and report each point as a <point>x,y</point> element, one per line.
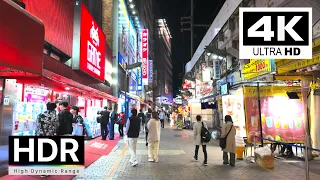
<point>104,122</point>
<point>65,119</point>
<point>133,131</point>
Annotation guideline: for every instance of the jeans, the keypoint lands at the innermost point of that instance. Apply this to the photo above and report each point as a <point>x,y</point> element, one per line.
<point>226,158</point>
<point>120,129</point>
<point>132,148</point>
<point>162,123</point>
<point>204,149</point>
<point>153,150</point>
<point>111,130</point>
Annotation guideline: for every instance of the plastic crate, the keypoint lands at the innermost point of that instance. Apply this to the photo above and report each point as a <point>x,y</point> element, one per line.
<point>265,162</point>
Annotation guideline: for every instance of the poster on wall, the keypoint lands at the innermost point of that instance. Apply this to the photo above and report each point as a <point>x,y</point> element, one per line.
<point>233,105</point>
<point>281,117</point>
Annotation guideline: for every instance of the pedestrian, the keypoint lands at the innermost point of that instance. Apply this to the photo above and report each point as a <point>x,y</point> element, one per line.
<point>197,127</point>
<point>148,117</point>
<point>104,120</point>
<point>142,118</point>
<point>153,138</point>
<point>161,117</point>
<point>121,122</point>
<point>48,123</point>
<point>112,121</point>
<point>77,119</point>
<point>65,119</point>
<point>229,131</point>
<point>133,131</point>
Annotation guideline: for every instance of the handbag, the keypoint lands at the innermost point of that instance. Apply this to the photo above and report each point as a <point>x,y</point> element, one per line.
<point>223,141</point>
<point>205,134</point>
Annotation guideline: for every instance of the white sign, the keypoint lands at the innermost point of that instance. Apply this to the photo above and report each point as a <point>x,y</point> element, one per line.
<point>6,101</point>
<point>275,33</point>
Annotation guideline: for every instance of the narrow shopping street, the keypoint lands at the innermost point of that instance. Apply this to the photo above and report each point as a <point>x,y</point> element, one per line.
<point>176,152</point>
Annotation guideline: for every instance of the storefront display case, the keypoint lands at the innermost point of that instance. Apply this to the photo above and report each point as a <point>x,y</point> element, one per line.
<point>92,109</point>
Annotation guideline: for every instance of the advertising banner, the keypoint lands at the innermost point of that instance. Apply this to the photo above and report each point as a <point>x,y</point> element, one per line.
<point>258,67</point>
<point>139,79</point>
<point>298,64</point>
<point>92,46</point>
<point>144,51</point>
<point>281,117</point>
<point>233,105</point>
<point>150,71</point>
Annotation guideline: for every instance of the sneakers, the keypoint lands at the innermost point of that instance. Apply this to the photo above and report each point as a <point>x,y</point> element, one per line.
<point>205,163</point>
<point>131,161</point>
<point>135,163</point>
<point>151,160</point>
<point>194,160</point>
<point>157,160</point>
<point>43,176</point>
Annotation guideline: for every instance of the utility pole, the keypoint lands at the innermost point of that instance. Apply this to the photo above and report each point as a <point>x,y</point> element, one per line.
<point>190,20</point>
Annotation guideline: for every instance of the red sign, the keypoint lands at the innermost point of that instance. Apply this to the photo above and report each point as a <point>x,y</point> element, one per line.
<point>144,51</point>
<point>92,46</point>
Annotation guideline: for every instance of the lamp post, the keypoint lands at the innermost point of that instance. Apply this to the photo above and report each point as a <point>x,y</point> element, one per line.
<point>129,67</point>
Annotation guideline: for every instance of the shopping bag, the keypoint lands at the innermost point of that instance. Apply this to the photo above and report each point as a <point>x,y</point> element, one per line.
<point>77,130</point>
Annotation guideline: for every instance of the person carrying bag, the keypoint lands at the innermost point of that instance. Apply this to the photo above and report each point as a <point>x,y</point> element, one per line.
<point>228,141</point>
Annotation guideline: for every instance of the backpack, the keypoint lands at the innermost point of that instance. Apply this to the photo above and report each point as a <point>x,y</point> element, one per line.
<point>205,134</point>
<point>223,141</point>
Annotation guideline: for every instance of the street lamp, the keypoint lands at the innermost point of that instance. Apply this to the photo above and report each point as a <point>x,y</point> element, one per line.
<point>129,67</point>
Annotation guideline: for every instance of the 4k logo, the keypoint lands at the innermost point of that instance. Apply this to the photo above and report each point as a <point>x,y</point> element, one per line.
<point>275,33</point>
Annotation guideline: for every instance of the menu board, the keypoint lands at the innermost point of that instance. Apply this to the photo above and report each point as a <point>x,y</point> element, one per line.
<point>233,105</point>
<point>281,117</point>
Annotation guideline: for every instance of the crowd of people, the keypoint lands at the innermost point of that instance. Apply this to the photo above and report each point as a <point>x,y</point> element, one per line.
<point>59,119</point>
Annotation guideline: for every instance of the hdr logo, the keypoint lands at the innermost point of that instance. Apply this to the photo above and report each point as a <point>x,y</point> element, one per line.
<point>275,33</point>
<point>39,155</point>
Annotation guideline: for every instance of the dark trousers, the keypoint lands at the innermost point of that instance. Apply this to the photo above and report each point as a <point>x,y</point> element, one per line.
<point>120,129</point>
<point>111,136</point>
<point>162,123</point>
<point>104,131</point>
<point>204,149</point>
<point>226,160</point>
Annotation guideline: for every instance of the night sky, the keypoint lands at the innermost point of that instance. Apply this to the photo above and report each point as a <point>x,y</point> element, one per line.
<point>172,11</point>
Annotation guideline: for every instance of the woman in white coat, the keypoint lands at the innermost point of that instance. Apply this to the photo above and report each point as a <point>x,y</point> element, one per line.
<point>154,127</point>
<point>197,140</point>
<point>231,141</point>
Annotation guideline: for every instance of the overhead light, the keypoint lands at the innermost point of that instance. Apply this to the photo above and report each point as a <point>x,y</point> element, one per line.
<point>136,18</point>
<point>220,57</point>
<point>67,88</point>
<point>214,56</point>
<point>133,12</point>
<point>138,22</point>
<point>131,6</point>
<point>208,54</point>
<point>130,0</point>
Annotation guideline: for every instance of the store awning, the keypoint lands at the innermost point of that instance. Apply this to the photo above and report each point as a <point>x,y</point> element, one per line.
<point>59,72</point>
<point>21,48</point>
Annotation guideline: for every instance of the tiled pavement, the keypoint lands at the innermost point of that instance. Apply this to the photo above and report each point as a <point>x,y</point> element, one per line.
<point>176,150</point>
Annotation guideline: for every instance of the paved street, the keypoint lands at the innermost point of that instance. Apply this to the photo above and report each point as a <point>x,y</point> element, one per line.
<point>176,151</point>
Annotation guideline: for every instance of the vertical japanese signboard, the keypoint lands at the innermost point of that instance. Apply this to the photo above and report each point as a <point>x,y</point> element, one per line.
<point>150,71</point>
<point>144,51</point>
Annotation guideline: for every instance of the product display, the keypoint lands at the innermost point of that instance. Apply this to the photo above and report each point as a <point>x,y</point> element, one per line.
<point>91,124</point>
<point>24,117</point>
<point>281,117</point>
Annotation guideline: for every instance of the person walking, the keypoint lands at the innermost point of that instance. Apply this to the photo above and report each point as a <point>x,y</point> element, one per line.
<point>48,123</point>
<point>104,120</point>
<point>142,118</point>
<point>229,131</point>
<point>132,132</point>
<point>121,122</point>
<point>197,127</point>
<point>65,119</point>
<point>148,117</point>
<point>153,138</point>
<point>161,117</point>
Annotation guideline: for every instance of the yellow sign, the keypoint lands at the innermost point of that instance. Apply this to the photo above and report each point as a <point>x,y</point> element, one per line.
<point>256,68</point>
<point>270,91</point>
<point>298,64</point>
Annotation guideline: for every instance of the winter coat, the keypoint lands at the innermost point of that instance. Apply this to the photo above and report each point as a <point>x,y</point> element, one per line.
<point>197,133</point>
<point>231,139</point>
<point>154,130</point>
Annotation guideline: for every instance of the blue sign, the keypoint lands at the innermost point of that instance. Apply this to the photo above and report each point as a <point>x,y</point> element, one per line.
<point>139,79</point>
<point>150,79</point>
